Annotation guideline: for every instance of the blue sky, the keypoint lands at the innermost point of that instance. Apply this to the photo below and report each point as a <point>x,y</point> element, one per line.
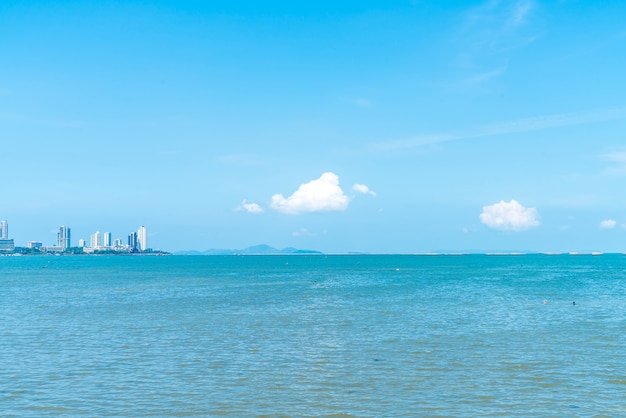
<point>366,126</point>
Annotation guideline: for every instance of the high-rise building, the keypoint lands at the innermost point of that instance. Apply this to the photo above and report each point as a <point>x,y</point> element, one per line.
<point>132,240</point>
<point>96,240</point>
<point>142,238</point>
<point>106,240</point>
<point>4,230</point>
<point>6,244</point>
<point>81,242</point>
<point>64,238</point>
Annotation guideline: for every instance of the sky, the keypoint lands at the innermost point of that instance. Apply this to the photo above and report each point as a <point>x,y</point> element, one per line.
<point>354,126</point>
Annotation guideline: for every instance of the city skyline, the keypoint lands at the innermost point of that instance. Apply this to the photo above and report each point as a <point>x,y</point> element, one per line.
<point>377,127</point>
<point>136,239</point>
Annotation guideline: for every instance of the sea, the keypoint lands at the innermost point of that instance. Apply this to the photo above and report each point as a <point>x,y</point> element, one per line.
<point>313,336</point>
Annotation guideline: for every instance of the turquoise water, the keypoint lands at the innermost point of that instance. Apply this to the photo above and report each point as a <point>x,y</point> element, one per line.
<point>313,336</point>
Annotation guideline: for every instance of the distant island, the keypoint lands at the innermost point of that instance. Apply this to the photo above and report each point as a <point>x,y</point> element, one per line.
<point>254,250</point>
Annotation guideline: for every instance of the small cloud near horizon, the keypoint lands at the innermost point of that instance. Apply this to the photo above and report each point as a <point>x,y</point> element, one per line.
<point>363,189</point>
<point>509,216</point>
<point>249,207</point>
<point>303,232</point>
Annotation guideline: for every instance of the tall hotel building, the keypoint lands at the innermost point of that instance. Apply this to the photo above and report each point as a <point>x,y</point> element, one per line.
<point>142,238</point>
<point>6,244</point>
<point>96,240</point>
<point>64,238</point>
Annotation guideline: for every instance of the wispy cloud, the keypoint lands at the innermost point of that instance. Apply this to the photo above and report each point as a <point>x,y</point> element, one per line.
<point>574,201</point>
<point>618,157</point>
<point>69,124</point>
<point>608,224</point>
<point>361,102</point>
<point>239,159</point>
<point>521,125</point>
<point>491,33</point>
<point>496,18</point>
<point>50,123</point>
<point>168,153</point>
<point>618,163</point>
<point>520,13</point>
<point>484,77</point>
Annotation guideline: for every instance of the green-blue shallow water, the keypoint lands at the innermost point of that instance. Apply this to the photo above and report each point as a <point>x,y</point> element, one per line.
<point>313,336</point>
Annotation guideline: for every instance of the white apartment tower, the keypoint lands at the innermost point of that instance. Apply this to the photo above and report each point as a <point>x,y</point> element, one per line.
<point>63,237</point>
<point>142,238</point>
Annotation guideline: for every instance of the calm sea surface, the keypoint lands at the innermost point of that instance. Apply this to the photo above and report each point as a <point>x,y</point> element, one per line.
<point>313,336</point>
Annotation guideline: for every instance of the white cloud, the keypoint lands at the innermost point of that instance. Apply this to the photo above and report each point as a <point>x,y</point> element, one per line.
<point>509,216</point>
<point>249,207</point>
<point>323,194</point>
<point>362,188</point>
<point>608,224</point>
